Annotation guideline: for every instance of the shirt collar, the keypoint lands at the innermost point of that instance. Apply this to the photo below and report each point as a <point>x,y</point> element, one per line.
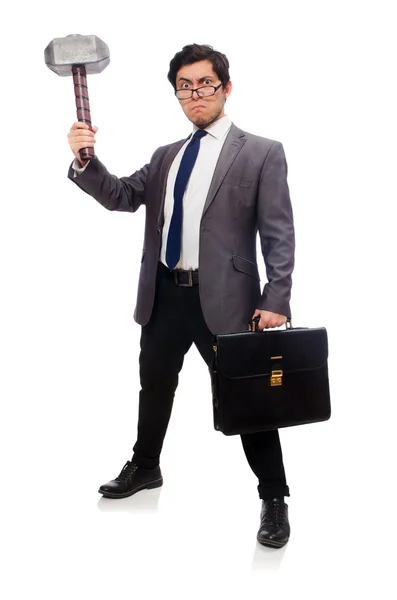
<point>219,128</point>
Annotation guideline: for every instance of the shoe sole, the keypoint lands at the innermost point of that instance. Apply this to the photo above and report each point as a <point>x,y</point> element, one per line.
<point>146,486</point>
<point>272,543</point>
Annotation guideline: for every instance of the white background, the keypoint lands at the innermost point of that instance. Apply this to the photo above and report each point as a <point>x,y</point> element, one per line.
<point>319,77</point>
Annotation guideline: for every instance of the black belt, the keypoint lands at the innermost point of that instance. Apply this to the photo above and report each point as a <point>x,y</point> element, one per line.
<point>180,277</point>
<point>186,278</point>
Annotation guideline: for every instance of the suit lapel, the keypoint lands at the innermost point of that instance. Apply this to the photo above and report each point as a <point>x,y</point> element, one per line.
<point>235,140</point>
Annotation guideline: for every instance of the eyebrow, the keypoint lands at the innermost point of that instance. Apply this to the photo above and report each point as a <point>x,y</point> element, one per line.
<point>200,80</point>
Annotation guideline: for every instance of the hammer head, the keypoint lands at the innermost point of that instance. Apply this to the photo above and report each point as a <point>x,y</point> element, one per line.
<point>88,50</point>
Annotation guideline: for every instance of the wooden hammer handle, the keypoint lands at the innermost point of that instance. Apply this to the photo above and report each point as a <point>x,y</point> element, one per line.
<point>82,104</point>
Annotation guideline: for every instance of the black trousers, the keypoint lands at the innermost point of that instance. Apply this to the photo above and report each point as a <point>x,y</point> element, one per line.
<point>176,323</point>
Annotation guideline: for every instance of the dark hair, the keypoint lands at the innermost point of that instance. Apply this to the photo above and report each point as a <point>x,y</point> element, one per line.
<point>194,53</point>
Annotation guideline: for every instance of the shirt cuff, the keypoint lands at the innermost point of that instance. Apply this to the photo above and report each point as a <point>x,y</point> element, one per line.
<point>78,170</point>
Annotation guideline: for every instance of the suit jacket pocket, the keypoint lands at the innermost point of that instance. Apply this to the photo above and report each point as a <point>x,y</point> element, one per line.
<point>238,181</point>
<point>246,266</point>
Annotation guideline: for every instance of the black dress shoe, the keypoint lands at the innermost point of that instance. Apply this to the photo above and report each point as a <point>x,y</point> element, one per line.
<point>131,479</point>
<point>274,530</point>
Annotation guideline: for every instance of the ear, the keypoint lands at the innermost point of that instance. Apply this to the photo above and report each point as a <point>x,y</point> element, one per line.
<point>227,90</point>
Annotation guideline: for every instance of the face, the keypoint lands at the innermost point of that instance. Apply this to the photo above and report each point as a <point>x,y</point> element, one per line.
<point>202,111</point>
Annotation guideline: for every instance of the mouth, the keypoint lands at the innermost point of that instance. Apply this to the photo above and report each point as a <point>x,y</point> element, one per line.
<point>197,107</point>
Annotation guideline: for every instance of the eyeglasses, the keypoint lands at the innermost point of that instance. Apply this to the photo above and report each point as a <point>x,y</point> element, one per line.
<point>202,92</point>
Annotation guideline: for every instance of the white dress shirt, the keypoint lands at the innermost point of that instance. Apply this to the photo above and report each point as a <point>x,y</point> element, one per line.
<point>195,194</point>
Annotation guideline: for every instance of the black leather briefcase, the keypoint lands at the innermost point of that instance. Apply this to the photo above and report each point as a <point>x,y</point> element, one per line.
<point>264,380</point>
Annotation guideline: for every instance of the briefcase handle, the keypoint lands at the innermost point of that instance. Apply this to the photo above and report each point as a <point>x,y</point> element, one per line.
<point>253,326</point>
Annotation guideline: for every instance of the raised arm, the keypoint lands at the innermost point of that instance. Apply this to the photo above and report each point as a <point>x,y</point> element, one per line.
<point>114,193</point>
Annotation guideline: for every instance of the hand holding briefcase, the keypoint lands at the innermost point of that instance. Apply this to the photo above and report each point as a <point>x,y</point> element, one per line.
<point>264,380</point>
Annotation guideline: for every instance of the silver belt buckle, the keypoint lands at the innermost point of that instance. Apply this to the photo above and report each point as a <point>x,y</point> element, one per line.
<point>190,281</point>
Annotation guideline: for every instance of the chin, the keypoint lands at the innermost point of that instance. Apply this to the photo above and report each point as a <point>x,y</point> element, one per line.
<point>200,122</point>
<point>203,121</point>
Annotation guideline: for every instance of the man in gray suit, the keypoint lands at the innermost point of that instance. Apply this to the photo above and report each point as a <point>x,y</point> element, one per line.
<point>206,199</point>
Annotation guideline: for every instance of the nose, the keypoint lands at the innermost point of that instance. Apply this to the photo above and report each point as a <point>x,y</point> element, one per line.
<point>197,95</point>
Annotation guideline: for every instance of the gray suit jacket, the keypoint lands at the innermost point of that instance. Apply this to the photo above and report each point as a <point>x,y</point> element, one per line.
<point>248,194</point>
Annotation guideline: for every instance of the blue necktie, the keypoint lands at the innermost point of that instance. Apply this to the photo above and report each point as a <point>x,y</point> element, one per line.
<point>173,252</point>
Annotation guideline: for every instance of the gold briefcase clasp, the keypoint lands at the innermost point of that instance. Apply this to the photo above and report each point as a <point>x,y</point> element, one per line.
<point>276,378</point>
